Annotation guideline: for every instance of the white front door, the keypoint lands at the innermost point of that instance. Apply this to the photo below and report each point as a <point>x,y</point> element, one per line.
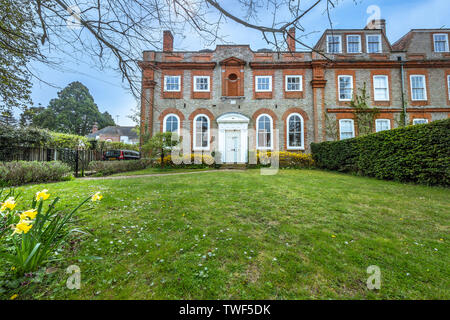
<point>232,146</point>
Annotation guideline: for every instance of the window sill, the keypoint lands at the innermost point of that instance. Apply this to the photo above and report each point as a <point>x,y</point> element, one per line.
<point>296,148</point>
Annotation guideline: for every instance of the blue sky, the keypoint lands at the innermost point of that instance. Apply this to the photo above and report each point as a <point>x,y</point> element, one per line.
<point>111,95</point>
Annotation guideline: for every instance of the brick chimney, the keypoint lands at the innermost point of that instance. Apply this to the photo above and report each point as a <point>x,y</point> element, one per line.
<point>291,39</point>
<point>94,128</point>
<point>167,41</point>
<point>377,24</point>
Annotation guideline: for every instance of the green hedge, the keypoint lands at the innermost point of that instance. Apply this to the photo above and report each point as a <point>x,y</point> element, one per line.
<point>419,154</point>
<point>17,173</point>
<point>109,167</point>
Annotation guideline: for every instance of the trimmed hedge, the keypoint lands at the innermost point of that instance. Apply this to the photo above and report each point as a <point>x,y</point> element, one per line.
<point>17,173</point>
<point>419,154</point>
<point>110,167</point>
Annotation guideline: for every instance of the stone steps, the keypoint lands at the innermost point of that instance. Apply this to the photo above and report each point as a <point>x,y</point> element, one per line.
<point>237,166</point>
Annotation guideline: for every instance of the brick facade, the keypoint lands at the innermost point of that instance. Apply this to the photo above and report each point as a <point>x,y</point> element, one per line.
<point>232,70</point>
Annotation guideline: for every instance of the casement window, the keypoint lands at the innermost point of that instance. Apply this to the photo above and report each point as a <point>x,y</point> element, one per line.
<point>374,43</point>
<point>294,83</point>
<point>346,129</point>
<point>263,83</point>
<point>345,88</point>
<point>264,131</point>
<point>334,44</point>
<point>440,42</point>
<point>201,132</point>
<point>172,83</point>
<point>201,83</point>
<point>381,88</point>
<point>354,44</point>
<point>420,121</point>
<point>294,132</point>
<point>382,125</point>
<point>418,88</point>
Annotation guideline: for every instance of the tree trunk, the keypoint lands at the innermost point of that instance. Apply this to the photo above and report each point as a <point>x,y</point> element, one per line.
<point>162,159</point>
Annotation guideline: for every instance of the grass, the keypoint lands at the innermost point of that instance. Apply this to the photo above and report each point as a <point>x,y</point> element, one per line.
<point>151,170</point>
<point>300,234</point>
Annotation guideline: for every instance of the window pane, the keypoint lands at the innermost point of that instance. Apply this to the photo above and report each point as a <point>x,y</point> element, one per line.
<point>293,83</point>
<point>380,84</point>
<point>440,43</point>
<point>295,132</point>
<point>202,83</point>
<point>264,132</point>
<point>345,88</point>
<point>334,44</point>
<point>418,87</point>
<point>263,83</point>
<point>374,45</point>
<point>382,125</point>
<point>353,44</point>
<point>172,83</point>
<point>201,132</point>
<point>171,124</point>
<point>346,129</point>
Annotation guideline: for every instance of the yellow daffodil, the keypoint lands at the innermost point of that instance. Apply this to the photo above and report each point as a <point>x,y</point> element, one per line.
<point>22,226</point>
<point>14,296</point>
<point>13,268</point>
<point>28,214</point>
<point>96,197</point>
<point>44,195</point>
<point>8,204</point>
<point>333,236</point>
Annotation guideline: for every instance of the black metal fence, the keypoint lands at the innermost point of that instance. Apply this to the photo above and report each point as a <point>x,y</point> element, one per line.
<point>78,160</point>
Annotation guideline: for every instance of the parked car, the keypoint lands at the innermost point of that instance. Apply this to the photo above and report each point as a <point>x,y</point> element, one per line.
<point>121,155</point>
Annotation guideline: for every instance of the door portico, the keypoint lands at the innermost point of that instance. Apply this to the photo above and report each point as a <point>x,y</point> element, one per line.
<point>233,137</point>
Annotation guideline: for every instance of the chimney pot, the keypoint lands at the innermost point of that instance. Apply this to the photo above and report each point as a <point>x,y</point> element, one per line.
<point>377,24</point>
<point>167,41</point>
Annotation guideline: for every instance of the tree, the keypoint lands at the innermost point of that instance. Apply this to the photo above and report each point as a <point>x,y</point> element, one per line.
<point>161,144</point>
<point>364,114</point>
<point>28,115</point>
<point>7,119</point>
<point>74,111</point>
<point>18,46</point>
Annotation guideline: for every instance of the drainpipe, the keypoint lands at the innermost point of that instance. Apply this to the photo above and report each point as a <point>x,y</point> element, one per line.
<point>402,72</point>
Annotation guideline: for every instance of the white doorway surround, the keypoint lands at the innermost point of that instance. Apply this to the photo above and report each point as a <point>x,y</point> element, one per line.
<point>233,137</point>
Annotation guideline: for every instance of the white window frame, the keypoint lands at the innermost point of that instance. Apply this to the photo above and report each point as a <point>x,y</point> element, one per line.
<point>340,126</point>
<point>194,130</point>
<point>446,42</point>
<point>202,90</point>
<point>380,120</point>
<point>419,119</point>
<point>360,46</point>
<point>448,86</point>
<point>339,87</point>
<point>263,90</point>
<point>165,119</point>
<point>380,44</point>
<point>302,135</point>
<point>340,44</point>
<point>425,96</point>
<point>293,76</point>
<point>271,132</point>
<point>165,83</point>
<point>387,98</point>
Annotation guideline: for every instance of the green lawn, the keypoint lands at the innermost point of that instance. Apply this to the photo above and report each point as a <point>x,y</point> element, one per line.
<point>151,170</point>
<point>300,234</point>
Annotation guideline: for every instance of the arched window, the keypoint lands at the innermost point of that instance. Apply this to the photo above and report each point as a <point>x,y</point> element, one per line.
<point>264,132</point>
<point>201,132</point>
<point>294,132</point>
<point>171,123</point>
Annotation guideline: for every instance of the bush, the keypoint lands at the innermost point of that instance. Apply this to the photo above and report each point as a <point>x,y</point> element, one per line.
<point>419,154</point>
<point>109,167</point>
<point>16,173</point>
<point>197,161</point>
<point>287,159</point>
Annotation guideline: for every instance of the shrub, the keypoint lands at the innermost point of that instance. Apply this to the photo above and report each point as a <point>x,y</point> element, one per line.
<point>419,154</point>
<point>16,173</point>
<point>193,161</point>
<point>287,159</point>
<point>109,167</point>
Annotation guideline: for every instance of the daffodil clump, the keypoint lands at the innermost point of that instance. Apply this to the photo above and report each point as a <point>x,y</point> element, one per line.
<point>96,197</point>
<point>9,204</point>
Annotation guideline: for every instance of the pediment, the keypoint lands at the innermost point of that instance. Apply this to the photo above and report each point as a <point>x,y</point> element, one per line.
<point>233,61</point>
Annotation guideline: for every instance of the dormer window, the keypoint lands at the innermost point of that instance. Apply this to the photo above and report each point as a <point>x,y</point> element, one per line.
<point>354,44</point>
<point>374,43</point>
<point>334,44</point>
<point>440,42</point>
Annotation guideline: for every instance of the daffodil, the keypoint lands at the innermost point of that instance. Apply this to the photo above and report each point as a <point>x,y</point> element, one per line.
<point>31,214</point>
<point>96,197</point>
<point>8,204</point>
<point>44,195</point>
<point>14,296</point>
<point>23,226</point>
